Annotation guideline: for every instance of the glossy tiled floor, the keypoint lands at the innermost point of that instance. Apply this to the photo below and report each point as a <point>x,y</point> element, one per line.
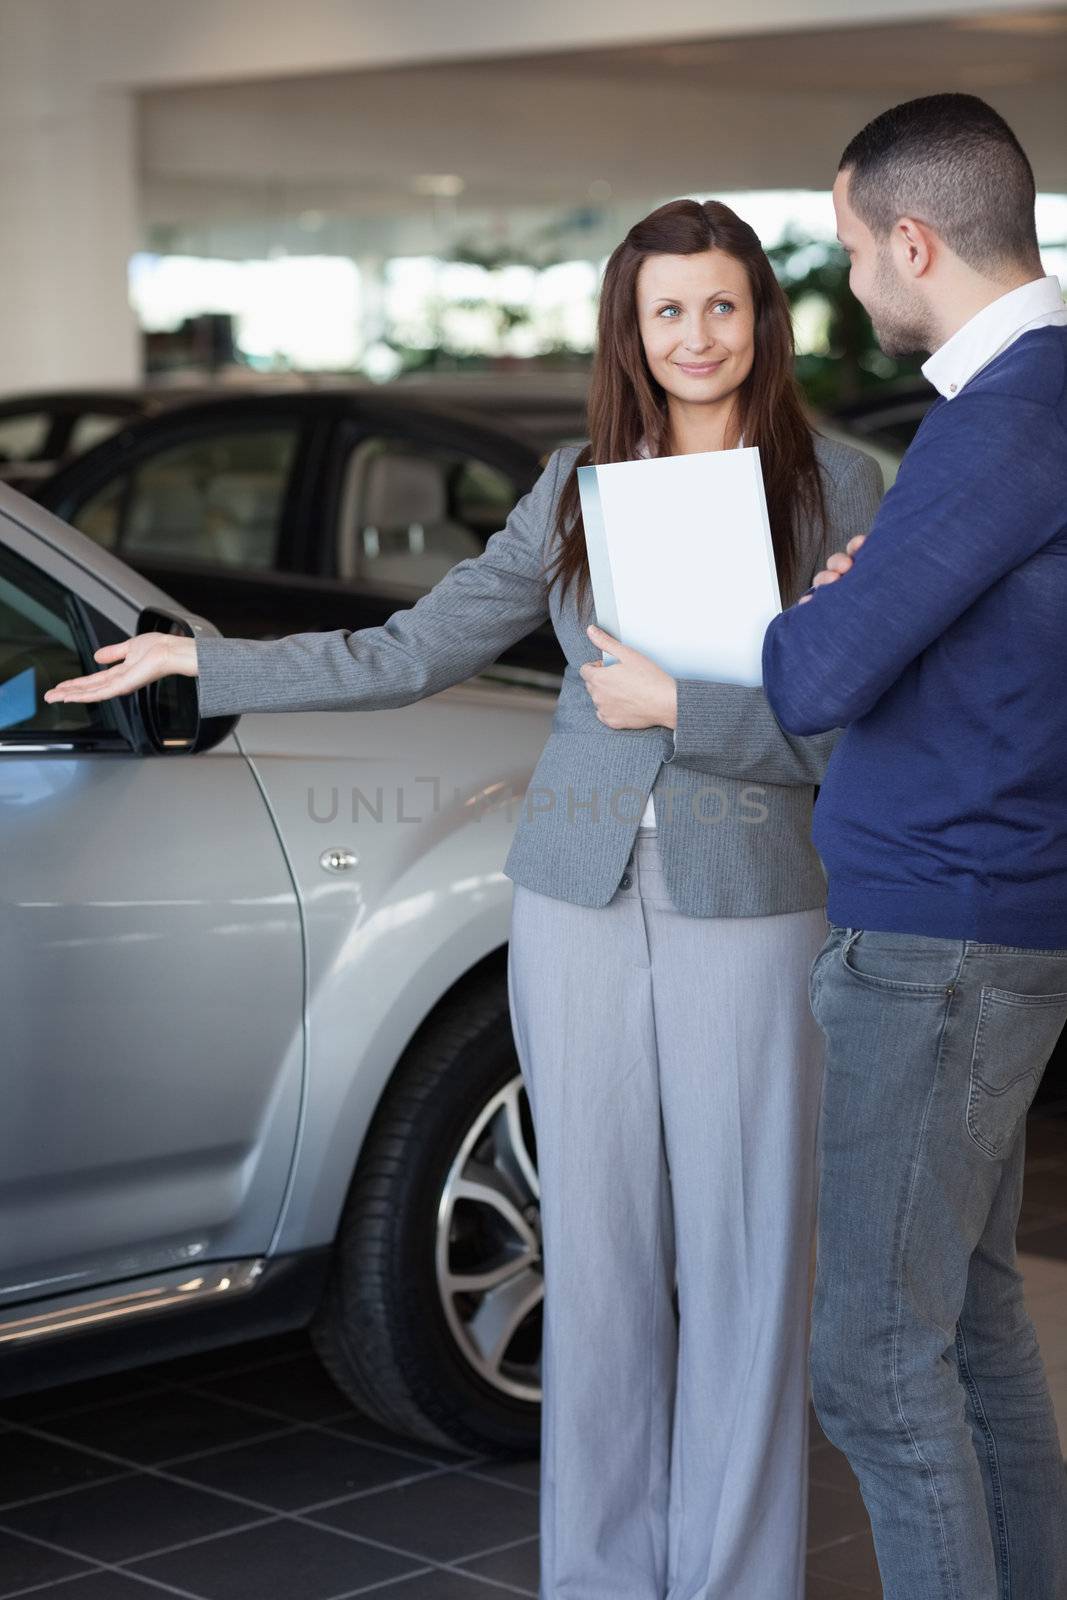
<point>241,1475</point>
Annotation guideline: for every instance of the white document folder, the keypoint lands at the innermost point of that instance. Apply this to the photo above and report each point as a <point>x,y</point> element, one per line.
<point>681,560</point>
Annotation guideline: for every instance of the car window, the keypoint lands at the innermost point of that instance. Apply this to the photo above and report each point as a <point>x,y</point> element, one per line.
<point>40,645</point>
<point>23,437</point>
<point>218,498</point>
<point>90,429</point>
<point>99,516</point>
<point>409,512</point>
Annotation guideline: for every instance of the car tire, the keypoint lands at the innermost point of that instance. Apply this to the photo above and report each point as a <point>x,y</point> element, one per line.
<point>382,1330</point>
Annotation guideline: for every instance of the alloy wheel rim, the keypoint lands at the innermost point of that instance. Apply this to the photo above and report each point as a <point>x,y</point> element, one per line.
<point>488,1247</point>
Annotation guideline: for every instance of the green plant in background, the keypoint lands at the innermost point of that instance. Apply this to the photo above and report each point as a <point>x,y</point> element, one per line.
<point>847,359</point>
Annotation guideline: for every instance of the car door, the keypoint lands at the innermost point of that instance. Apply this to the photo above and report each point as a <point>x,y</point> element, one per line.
<point>151,959</point>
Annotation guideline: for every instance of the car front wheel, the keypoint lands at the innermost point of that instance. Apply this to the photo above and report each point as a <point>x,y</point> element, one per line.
<point>431,1322</point>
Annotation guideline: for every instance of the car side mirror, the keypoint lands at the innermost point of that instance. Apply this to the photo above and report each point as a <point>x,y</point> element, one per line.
<point>170,708</point>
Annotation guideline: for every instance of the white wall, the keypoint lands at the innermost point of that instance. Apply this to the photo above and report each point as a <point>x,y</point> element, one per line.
<point>68,210</point>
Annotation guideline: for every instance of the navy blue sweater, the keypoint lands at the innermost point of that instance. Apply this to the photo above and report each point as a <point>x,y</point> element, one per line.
<point>943,655</point>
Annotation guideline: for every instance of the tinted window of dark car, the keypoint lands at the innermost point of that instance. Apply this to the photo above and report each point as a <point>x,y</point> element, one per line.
<point>216,498</point>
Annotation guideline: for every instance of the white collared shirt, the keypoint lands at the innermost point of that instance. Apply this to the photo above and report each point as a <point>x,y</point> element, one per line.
<point>1038,304</point>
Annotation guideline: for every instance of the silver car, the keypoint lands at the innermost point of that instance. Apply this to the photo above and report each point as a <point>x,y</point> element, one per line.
<point>258,1069</point>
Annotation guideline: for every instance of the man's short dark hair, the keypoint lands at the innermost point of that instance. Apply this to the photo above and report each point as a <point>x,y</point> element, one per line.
<point>951,161</point>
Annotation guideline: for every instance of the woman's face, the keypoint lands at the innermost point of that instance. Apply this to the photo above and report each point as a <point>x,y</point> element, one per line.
<point>697,323</point>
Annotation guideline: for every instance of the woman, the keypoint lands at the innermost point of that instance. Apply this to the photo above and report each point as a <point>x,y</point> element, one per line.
<point>658,962</point>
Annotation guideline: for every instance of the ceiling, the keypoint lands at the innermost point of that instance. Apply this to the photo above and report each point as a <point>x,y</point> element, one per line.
<point>596,129</point>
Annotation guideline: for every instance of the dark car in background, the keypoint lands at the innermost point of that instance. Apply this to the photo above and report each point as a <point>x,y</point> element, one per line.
<point>277,512</point>
<point>39,432</point>
<point>887,416</point>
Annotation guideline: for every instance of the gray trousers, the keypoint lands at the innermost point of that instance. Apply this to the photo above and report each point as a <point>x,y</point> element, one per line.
<point>674,1072</point>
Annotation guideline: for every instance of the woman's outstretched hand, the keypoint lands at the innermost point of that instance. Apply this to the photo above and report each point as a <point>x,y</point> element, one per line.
<point>633,692</point>
<point>136,661</point>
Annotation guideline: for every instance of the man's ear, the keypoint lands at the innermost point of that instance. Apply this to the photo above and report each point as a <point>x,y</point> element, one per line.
<point>914,246</point>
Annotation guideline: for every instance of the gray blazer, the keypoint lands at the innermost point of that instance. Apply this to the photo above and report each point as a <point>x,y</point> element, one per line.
<point>733,791</point>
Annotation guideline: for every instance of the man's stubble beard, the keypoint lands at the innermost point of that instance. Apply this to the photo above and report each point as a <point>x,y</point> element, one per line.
<point>901,322</point>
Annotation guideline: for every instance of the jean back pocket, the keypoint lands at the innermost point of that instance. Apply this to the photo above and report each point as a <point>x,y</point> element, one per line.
<point>1014,1037</point>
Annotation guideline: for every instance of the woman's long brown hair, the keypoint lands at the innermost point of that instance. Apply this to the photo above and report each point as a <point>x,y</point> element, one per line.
<point>626,404</point>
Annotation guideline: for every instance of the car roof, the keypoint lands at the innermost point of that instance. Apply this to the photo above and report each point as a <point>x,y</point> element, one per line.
<point>376,400</point>
<point>399,398</point>
<point>119,400</point>
<point>534,410</point>
<point>484,388</point>
<point>512,442</point>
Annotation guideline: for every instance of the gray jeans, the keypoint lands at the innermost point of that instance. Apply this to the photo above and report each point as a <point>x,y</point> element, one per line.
<point>925,1367</point>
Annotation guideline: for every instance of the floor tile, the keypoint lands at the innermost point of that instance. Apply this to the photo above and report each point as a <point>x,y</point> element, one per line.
<point>1044,1184</point>
<point>1049,1240</point>
<point>438,1585</point>
<point>41,1404</point>
<point>830,1469</point>
<point>519,1565</point>
<point>1052,1340</point>
<point>818,1588</point>
<point>1043,1276</point>
<point>298,1388</point>
<point>284,1560</point>
<point>154,1428</point>
<point>100,1585</point>
<point>131,1517</point>
<point>852,1562</point>
<point>1046,1135</point>
<point>372,1432</point>
<point>445,1518</point>
<point>833,1513</point>
<point>32,1466</point>
<point>301,1469</point>
<point>23,1564</point>
<point>516,1474</point>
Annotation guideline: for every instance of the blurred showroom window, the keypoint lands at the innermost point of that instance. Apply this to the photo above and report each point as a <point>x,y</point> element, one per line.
<point>39,647</point>
<point>23,436</point>
<point>218,498</point>
<point>409,512</point>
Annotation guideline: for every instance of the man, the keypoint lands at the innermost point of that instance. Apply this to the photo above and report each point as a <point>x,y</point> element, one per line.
<point>942,986</point>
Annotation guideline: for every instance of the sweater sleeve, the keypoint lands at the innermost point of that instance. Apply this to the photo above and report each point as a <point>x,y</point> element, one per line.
<point>728,729</point>
<point>977,495</point>
<point>482,605</point>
